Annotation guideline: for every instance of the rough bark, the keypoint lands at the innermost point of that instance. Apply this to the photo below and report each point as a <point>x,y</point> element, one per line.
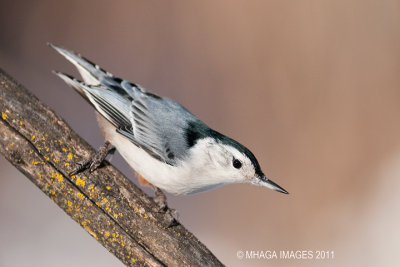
<point>105,203</point>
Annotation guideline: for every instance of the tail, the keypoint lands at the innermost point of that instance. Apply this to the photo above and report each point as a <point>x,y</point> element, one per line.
<point>74,83</point>
<point>109,95</point>
<point>91,73</point>
<point>109,103</point>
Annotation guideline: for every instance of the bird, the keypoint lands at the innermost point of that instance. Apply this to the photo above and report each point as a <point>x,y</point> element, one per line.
<point>168,146</point>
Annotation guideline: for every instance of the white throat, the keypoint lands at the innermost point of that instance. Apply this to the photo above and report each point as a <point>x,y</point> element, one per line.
<point>199,171</point>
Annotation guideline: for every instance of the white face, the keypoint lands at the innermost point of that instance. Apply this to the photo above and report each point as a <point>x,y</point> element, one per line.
<point>218,163</point>
<point>212,164</point>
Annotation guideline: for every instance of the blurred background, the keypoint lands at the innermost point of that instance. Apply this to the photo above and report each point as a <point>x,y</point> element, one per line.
<point>311,87</point>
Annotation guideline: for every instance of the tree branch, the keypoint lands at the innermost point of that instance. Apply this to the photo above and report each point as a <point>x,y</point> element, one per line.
<point>105,203</point>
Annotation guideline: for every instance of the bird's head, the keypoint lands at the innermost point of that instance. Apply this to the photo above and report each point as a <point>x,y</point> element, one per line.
<point>226,160</point>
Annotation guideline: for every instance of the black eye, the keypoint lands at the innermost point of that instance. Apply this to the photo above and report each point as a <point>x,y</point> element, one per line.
<point>236,163</point>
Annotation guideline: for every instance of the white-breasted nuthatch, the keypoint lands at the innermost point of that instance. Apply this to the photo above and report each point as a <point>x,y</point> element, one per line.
<point>160,139</point>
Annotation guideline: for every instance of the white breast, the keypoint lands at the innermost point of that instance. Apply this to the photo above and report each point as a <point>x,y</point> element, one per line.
<point>184,179</point>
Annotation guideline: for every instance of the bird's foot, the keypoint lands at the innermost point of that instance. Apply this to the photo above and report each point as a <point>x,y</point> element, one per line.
<point>94,161</point>
<point>160,199</point>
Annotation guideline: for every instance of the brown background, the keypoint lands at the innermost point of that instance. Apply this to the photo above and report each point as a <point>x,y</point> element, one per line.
<point>311,87</point>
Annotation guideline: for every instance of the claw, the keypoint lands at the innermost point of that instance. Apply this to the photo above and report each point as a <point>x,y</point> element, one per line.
<point>94,161</point>
<point>94,165</point>
<point>82,165</point>
<point>160,199</point>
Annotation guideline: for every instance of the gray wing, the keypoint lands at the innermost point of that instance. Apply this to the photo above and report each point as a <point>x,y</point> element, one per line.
<point>158,125</point>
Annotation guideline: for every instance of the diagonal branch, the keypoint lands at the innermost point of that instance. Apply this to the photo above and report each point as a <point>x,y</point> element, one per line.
<point>105,203</point>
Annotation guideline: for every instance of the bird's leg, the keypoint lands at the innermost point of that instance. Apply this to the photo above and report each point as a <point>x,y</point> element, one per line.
<point>161,200</point>
<point>94,161</point>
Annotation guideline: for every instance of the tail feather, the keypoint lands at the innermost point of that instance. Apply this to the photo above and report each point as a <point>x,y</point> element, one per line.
<point>110,104</point>
<point>109,95</point>
<point>91,73</point>
<point>74,83</point>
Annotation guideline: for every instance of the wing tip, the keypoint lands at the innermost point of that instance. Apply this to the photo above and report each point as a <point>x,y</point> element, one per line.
<point>64,76</point>
<point>79,86</point>
<point>58,48</point>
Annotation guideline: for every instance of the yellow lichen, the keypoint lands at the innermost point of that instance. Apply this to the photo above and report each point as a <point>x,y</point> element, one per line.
<point>46,158</point>
<point>104,200</point>
<point>12,144</point>
<point>21,123</point>
<point>70,156</point>
<point>33,137</point>
<point>66,164</point>
<point>59,177</point>
<point>108,187</point>
<point>80,195</point>
<point>64,149</point>
<point>107,233</point>
<point>34,162</point>
<point>80,182</point>
<point>4,115</point>
<point>69,203</point>
<point>55,160</point>
<point>90,231</point>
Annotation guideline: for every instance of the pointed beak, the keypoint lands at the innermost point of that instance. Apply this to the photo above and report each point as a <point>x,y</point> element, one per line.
<point>264,181</point>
